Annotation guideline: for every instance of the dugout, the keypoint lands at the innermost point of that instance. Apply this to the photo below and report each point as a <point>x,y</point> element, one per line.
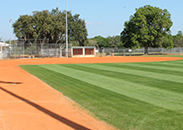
<point>83,51</point>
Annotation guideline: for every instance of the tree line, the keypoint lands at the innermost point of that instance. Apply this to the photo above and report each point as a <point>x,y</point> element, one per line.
<point>148,27</point>
<point>178,39</point>
<point>115,41</point>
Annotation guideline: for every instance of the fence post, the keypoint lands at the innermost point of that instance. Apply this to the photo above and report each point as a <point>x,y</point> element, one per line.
<point>15,51</point>
<point>1,52</point>
<point>103,51</point>
<point>94,50</point>
<point>48,50</point>
<point>147,51</point>
<point>180,50</point>
<point>23,49</point>
<point>60,52</point>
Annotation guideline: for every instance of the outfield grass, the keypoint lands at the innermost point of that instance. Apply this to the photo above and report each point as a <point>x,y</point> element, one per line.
<point>145,96</point>
<point>162,55</point>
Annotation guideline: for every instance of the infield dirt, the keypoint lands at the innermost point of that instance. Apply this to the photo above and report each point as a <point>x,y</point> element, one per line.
<point>27,103</point>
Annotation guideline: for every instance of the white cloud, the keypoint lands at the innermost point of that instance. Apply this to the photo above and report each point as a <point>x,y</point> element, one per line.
<point>99,22</point>
<point>96,23</point>
<point>89,23</point>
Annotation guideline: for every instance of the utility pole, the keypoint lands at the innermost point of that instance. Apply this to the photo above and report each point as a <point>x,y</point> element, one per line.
<point>66,30</point>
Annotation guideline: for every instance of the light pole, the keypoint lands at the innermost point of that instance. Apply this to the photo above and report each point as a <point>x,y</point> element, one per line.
<point>10,19</point>
<point>66,30</point>
<point>58,4</point>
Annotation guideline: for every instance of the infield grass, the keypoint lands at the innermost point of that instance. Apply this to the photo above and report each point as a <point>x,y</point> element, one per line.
<point>139,96</point>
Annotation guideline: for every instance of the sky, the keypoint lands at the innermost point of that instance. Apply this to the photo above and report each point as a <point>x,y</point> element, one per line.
<point>102,17</point>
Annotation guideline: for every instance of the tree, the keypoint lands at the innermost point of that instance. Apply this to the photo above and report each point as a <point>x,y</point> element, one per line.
<point>167,41</point>
<point>77,30</point>
<point>178,39</point>
<point>148,27</point>
<point>12,42</point>
<point>41,25</point>
<point>92,42</point>
<point>101,41</point>
<point>51,26</point>
<point>24,27</point>
<point>114,41</point>
<point>57,31</point>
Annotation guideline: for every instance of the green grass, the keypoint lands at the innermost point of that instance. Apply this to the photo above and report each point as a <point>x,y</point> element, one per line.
<point>140,96</point>
<point>162,55</point>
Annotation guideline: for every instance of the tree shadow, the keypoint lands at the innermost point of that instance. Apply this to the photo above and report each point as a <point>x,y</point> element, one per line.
<point>10,82</point>
<point>48,112</point>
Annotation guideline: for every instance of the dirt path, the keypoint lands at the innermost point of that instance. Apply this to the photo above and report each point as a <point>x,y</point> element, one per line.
<point>26,103</point>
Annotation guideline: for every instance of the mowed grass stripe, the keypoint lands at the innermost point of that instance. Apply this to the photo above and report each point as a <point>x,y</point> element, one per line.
<point>162,56</point>
<point>123,112</point>
<point>150,68</point>
<point>155,96</point>
<point>141,80</point>
<point>118,68</point>
<point>162,64</point>
<point>164,68</point>
<point>178,61</point>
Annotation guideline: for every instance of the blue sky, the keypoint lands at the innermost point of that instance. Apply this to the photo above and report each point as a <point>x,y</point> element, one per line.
<point>102,17</point>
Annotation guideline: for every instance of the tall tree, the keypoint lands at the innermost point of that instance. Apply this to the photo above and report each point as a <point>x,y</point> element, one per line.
<point>77,30</point>
<point>57,27</point>
<point>148,27</point>
<point>41,24</point>
<point>51,26</point>
<point>24,27</point>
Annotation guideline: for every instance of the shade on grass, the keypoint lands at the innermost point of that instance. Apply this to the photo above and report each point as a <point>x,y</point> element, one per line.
<point>126,95</point>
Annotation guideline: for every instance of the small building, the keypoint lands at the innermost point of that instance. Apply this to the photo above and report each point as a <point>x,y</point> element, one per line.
<point>83,51</point>
<point>4,50</point>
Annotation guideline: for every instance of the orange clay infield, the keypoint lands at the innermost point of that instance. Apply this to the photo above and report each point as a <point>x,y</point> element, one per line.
<point>27,103</point>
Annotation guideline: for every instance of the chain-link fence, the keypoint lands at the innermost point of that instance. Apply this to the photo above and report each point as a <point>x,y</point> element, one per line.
<point>35,48</point>
<point>137,52</point>
<point>120,52</point>
<point>4,52</point>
